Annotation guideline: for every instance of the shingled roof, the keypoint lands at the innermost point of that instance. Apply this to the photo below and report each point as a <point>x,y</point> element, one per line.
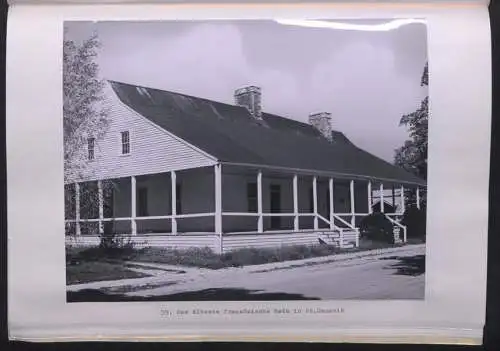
<point>232,135</point>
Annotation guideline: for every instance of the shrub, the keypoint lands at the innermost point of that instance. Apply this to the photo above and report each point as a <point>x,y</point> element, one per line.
<point>377,227</point>
<point>114,245</point>
<point>415,221</point>
<point>111,246</point>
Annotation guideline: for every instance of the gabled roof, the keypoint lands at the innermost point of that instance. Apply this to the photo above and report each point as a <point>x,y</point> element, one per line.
<point>232,135</point>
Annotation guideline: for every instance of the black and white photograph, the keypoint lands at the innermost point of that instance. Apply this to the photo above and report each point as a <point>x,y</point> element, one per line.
<point>244,160</point>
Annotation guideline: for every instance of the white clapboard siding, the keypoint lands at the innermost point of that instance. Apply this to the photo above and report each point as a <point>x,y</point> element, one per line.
<point>230,241</point>
<point>239,241</point>
<point>350,235</point>
<point>181,241</point>
<point>152,149</point>
<point>82,240</point>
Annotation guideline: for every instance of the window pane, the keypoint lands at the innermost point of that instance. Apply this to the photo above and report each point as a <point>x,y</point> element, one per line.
<point>125,142</point>
<point>91,147</point>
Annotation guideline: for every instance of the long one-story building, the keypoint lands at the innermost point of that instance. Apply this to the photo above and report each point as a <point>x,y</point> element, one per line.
<point>180,171</point>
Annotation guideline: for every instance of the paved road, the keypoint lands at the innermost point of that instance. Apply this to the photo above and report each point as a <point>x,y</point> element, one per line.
<point>379,277</point>
<point>396,275</point>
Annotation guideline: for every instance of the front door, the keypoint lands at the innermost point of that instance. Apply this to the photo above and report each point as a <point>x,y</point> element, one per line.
<point>275,192</point>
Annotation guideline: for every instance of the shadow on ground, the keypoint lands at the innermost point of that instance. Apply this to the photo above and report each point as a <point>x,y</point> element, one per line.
<point>92,295</point>
<point>407,265</point>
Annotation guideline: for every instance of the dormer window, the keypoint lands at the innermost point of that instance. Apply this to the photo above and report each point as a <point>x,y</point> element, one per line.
<point>91,148</point>
<point>125,142</point>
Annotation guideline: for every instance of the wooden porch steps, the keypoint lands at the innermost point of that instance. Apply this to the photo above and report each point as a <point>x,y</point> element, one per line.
<point>333,238</point>
<point>396,231</point>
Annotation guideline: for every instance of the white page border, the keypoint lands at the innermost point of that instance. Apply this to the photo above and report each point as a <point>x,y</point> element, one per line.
<point>459,139</point>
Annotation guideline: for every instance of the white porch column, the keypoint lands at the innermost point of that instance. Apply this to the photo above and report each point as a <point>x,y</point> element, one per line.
<point>133,205</point>
<point>218,204</point>
<point>418,197</point>
<point>353,208</point>
<point>370,202</point>
<point>77,209</point>
<point>100,198</point>
<point>260,221</point>
<point>295,203</point>
<point>173,186</point>
<point>330,198</point>
<point>381,197</point>
<point>402,199</point>
<point>315,202</point>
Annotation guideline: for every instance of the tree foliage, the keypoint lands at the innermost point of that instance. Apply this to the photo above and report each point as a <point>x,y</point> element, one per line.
<point>424,81</point>
<point>84,114</point>
<point>84,117</point>
<point>412,155</point>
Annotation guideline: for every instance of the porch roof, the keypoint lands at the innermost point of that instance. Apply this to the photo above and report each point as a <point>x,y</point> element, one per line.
<point>232,135</point>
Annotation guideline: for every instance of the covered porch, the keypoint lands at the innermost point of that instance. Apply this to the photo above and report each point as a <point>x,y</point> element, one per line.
<point>229,206</point>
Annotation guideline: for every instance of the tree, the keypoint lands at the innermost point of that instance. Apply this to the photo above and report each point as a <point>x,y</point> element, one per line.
<point>412,156</point>
<point>84,117</point>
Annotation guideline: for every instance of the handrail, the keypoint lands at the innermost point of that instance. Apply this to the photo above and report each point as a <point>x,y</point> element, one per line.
<point>339,218</point>
<point>324,219</point>
<point>266,214</point>
<point>393,221</point>
<point>341,230</point>
<point>344,222</point>
<point>142,218</point>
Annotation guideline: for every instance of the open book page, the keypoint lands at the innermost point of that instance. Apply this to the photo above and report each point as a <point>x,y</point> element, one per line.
<point>248,172</point>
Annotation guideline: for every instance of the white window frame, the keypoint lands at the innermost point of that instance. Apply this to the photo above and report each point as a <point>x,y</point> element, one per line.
<point>124,143</point>
<point>91,148</point>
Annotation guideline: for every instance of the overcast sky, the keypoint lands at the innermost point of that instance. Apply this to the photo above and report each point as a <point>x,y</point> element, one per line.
<point>367,80</point>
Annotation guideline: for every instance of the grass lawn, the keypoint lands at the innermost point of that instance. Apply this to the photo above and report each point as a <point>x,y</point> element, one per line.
<point>205,258</point>
<point>91,271</point>
<point>93,264</point>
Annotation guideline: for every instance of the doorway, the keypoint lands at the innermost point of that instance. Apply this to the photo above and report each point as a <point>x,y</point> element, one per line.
<point>275,192</point>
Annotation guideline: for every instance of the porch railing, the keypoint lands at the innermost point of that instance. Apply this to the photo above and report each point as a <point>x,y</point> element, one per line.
<point>332,225</point>
<point>341,230</point>
<point>396,223</point>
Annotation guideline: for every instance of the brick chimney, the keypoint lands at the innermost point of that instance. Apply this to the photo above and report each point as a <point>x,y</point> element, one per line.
<point>322,121</point>
<point>250,97</point>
